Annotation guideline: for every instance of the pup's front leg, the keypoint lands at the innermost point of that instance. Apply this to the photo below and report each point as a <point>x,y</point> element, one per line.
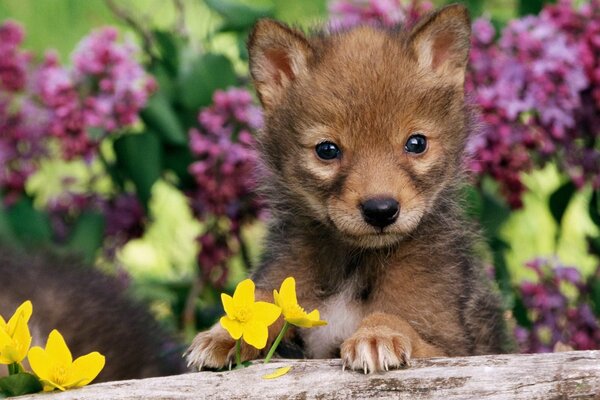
<point>384,341</point>
<point>215,348</point>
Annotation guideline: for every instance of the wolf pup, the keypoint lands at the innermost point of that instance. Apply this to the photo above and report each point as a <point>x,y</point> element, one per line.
<point>364,142</point>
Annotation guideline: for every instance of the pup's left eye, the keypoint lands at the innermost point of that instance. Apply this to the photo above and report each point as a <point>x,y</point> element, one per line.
<point>416,144</point>
<point>328,151</point>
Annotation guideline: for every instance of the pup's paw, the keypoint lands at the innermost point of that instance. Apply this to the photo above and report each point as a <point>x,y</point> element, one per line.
<point>376,349</point>
<point>215,349</point>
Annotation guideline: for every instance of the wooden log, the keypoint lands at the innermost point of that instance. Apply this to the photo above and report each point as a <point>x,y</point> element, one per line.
<point>569,375</point>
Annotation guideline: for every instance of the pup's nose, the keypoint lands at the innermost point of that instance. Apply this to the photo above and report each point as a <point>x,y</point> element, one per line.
<point>380,212</point>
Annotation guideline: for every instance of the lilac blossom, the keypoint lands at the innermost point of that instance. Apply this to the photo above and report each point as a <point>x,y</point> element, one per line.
<point>226,157</point>
<point>554,316</point>
<point>536,89</point>
<point>225,175</point>
<point>389,13</point>
<point>101,94</point>
<point>23,122</point>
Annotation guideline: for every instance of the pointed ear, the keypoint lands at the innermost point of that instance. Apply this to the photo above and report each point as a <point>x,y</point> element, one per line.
<point>278,55</point>
<point>441,42</point>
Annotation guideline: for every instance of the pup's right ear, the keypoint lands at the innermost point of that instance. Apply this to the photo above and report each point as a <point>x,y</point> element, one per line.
<point>278,55</point>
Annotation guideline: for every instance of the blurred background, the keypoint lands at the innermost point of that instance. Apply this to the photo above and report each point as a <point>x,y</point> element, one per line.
<point>127,137</point>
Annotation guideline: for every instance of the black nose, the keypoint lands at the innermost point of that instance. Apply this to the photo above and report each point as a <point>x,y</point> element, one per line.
<point>380,212</point>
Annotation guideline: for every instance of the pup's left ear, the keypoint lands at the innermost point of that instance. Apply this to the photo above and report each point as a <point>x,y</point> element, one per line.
<point>441,42</point>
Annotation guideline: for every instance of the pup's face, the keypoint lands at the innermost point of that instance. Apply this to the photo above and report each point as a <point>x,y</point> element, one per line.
<point>365,128</point>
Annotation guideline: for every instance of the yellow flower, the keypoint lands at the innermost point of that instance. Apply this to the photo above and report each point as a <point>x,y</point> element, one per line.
<point>292,312</point>
<point>55,366</point>
<point>15,338</point>
<point>247,318</point>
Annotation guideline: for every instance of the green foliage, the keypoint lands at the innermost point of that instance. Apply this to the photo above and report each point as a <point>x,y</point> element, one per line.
<point>533,7</point>
<point>139,158</point>
<point>205,74</point>
<point>29,225</point>
<point>160,115</point>
<point>19,384</point>
<point>560,199</point>
<point>237,16</point>
<point>87,235</point>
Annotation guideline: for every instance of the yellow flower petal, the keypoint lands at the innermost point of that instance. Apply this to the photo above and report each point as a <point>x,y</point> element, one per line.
<point>5,339</point>
<point>278,372</point>
<point>307,320</point>
<point>228,305</point>
<point>288,292</point>
<point>23,311</point>
<point>256,334</point>
<point>21,339</point>
<point>57,349</point>
<point>232,326</point>
<point>266,313</point>
<point>244,293</point>
<point>40,363</point>
<point>3,326</point>
<point>85,369</point>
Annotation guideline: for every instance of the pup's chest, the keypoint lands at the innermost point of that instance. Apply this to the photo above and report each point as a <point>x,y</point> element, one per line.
<point>343,315</point>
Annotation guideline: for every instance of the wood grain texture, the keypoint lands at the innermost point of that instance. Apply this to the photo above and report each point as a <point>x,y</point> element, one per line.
<point>569,375</point>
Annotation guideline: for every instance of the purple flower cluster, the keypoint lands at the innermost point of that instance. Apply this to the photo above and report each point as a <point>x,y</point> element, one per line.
<point>124,217</point>
<point>213,256</point>
<point>348,13</point>
<point>533,87</point>
<point>102,93</point>
<point>224,147</point>
<point>13,61</point>
<point>554,316</point>
<point>22,122</point>
<point>225,173</point>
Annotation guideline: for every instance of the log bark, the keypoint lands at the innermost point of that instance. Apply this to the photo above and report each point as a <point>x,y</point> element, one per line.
<point>569,375</point>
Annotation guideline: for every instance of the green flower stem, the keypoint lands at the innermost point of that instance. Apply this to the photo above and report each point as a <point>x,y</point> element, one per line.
<point>238,353</point>
<point>13,369</point>
<point>277,341</point>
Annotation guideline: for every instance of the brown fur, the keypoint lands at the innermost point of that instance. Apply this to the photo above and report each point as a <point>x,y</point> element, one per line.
<point>413,288</point>
<point>91,311</point>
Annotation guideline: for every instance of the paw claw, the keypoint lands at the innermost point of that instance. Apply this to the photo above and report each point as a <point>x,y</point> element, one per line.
<point>371,352</point>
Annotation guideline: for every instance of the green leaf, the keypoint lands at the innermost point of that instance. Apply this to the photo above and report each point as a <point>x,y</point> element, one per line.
<point>202,77</point>
<point>87,235</point>
<point>238,16</point>
<point>502,273</point>
<point>160,117</point>
<point>493,214</point>
<point>560,199</point>
<point>473,202</point>
<point>29,225</point>
<point>168,46</point>
<point>520,313</point>
<point>19,384</point>
<point>139,157</point>
<point>594,207</point>
<point>178,160</point>
<point>594,245</point>
<point>532,7</point>
<point>7,235</point>
<point>594,285</point>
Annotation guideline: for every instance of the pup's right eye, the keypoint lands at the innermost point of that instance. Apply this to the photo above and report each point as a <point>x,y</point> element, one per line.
<point>328,151</point>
